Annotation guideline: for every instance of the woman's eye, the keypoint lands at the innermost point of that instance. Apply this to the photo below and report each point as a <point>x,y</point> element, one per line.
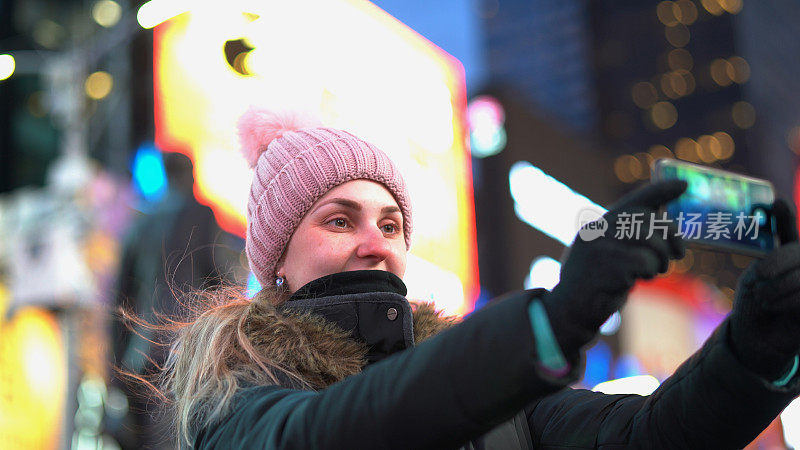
<point>338,222</point>
<point>389,228</point>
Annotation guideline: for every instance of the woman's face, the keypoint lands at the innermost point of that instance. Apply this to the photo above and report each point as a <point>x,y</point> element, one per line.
<point>355,226</point>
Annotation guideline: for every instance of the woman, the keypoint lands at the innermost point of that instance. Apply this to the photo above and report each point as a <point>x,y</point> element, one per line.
<point>330,354</point>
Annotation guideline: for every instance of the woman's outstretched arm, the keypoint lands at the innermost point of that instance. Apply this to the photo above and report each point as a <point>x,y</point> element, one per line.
<point>711,401</point>
<point>474,376</point>
<point>721,397</point>
<point>451,388</point>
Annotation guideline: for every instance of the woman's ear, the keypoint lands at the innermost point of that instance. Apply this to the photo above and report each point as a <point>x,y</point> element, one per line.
<point>279,267</point>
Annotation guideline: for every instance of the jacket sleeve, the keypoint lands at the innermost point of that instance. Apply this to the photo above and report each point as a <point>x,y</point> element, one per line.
<point>711,401</point>
<point>451,388</point>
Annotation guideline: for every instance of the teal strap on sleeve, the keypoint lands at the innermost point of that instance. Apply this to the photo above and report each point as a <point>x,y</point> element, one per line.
<point>547,348</point>
<point>784,380</point>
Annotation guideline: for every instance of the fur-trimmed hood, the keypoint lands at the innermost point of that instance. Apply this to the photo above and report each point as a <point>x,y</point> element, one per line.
<point>319,351</point>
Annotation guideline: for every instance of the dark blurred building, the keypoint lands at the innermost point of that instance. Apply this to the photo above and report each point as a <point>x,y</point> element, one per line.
<point>669,80</point>
<point>627,82</point>
<point>542,50</point>
<point>766,35</point>
<point>539,56</point>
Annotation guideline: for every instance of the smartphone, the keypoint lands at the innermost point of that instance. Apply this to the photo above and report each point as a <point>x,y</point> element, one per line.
<point>720,210</point>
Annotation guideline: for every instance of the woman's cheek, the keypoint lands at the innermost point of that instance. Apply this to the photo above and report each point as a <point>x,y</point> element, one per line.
<point>331,249</point>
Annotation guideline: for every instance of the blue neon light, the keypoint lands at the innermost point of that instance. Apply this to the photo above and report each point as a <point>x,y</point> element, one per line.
<point>149,176</point>
<point>547,204</point>
<point>598,363</point>
<point>253,286</point>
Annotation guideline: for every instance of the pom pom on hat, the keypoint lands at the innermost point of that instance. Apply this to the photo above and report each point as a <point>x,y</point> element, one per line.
<point>258,127</point>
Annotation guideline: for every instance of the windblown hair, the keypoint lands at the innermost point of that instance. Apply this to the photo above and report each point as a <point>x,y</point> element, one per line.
<point>228,342</point>
<point>212,355</point>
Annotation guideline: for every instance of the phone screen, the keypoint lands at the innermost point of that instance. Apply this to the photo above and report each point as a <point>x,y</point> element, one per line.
<point>720,209</point>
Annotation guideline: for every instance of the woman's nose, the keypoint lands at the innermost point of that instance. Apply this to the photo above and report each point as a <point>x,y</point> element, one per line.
<point>373,244</point>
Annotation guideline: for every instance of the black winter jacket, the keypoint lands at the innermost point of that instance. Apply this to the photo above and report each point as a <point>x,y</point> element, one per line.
<point>476,385</point>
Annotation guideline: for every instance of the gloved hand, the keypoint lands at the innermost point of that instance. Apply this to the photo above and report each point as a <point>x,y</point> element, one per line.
<point>765,321</point>
<point>597,274</point>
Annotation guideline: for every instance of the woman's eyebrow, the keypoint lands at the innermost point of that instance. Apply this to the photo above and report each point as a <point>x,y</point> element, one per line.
<point>350,204</point>
<point>347,203</point>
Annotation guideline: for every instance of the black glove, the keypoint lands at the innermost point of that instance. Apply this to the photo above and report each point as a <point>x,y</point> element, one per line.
<point>765,321</point>
<point>597,274</point>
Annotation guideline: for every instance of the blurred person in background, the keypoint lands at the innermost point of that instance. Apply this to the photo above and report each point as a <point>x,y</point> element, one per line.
<point>175,247</point>
<point>331,354</point>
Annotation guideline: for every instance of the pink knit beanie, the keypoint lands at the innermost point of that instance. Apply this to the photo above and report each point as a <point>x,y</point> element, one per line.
<point>296,162</point>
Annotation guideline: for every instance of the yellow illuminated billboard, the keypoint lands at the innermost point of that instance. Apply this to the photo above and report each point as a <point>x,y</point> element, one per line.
<point>359,69</point>
<point>32,377</point>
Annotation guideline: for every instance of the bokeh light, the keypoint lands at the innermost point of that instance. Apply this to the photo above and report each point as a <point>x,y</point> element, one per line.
<point>644,94</point>
<point>678,35</point>
<point>668,85</point>
<point>743,114</point>
<point>598,364</point>
<point>687,12</point>
<point>486,118</point>
<point>713,7</point>
<point>527,182</point>
<point>48,34</point>
<point>731,6</point>
<point>705,147</point>
<point>545,272</point>
<point>680,59</point>
<point>710,148</point>
<point>738,70</point>
<point>106,13</point>
<point>34,379</point>
<point>628,168</point>
<point>7,66</point>
<point>668,13</point>
<point>721,71</point>
<point>98,85</point>
<point>664,115</point>
<point>677,84</point>
<point>149,175</point>
<point>727,145</point>
<point>687,149</point>
<point>688,80</point>
<point>660,152</point>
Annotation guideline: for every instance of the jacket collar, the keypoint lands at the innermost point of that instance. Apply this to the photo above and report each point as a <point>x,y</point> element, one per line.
<point>368,304</point>
<point>352,282</point>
